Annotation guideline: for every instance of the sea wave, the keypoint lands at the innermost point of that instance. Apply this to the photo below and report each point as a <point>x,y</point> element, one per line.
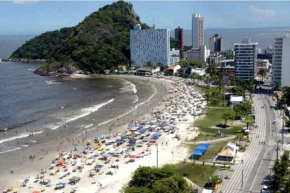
<point>131,110</point>
<point>84,112</point>
<point>31,69</point>
<point>20,136</point>
<point>10,150</point>
<point>52,82</point>
<point>136,99</point>
<point>128,87</point>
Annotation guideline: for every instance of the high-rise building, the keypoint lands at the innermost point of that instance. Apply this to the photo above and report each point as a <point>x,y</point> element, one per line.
<point>179,37</point>
<point>149,45</point>
<point>197,31</point>
<point>281,60</point>
<point>245,59</point>
<point>216,44</point>
<point>199,54</point>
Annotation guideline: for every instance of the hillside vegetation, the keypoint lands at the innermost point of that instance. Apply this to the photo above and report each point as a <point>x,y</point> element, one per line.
<point>99,42</point>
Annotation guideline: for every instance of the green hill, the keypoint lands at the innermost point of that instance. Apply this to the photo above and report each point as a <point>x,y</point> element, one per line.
<point>99,42</point>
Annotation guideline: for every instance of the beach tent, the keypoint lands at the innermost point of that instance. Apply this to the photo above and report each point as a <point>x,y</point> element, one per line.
<point>60,162</point>
<point>132,141</point>
<point>98,166</point>
<point>132,156</point>
<point>199,150</point>
<point>155,135</point>
<point>74,179</point>
<point>119,141</point>
<point>142,130</point>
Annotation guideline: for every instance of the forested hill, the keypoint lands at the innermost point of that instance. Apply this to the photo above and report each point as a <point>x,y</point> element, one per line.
<point>99,42</point>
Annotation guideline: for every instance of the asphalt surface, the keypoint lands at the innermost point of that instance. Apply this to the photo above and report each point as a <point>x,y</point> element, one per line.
<point>245,172</point>
<point>255,171</point>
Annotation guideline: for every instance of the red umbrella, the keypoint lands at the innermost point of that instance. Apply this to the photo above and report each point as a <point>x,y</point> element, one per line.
<point>132,156</point>
<point>36,191</point>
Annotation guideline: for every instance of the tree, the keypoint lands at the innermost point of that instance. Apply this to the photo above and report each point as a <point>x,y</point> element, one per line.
<point>149,63</point>
<point>263,73</point>
<point>211,70</point>
<point>157,180</point>
<point>277,85</point>
<point>182,63</point>
<point>286,95</point>
<point>231,56</point>
<point>280,173</point>
<point>137,190</point>
<point>146,176</point>
<point>239,91</point>
<point>287,123</point>
<point>243,108</point>
<point>227,116</point>
<point>195,64</point>
<point>173,184</point>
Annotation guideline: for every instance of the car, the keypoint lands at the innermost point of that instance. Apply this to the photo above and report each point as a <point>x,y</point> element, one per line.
<point>265,190</point>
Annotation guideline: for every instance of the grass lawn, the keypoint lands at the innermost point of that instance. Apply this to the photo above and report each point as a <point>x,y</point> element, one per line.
<point>213,118</point>
<point>249,118</point>
<point>207,137</point>
<point>212,151</point>
<point>199,89</point>
<point>197,173</point>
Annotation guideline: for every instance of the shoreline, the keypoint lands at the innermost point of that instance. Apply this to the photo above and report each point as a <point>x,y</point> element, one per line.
<point>14,160</point>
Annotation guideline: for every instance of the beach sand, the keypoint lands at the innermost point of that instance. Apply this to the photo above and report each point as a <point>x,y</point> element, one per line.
<point>18,160</point>
<point>47,150</point>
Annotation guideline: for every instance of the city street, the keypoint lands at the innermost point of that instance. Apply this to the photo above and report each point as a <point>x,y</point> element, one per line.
<point>254,172</point>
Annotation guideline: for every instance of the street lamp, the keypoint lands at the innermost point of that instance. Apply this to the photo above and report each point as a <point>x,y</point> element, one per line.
<point>156,154</point>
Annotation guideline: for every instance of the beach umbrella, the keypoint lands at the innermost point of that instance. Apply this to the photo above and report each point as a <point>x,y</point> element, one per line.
<point>36,191</point>
<point>15,189</point>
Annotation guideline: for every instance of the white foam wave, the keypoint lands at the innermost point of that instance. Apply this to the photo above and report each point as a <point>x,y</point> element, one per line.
<point>88,126</point>
<point>51,82</point>
<point>31,69</point>
<point>136,100</point>
<point>10,150</point>
<point>128,87</point>
<point>85,112</point>
<point>20,136</point>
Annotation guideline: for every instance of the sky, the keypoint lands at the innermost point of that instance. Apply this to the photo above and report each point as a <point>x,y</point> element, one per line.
<point>21,17</point>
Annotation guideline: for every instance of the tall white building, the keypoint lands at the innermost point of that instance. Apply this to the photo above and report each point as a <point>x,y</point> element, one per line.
<point>197,31</point>
<point>245,59</point>
<point>149,45</point>
<point>281,60</point>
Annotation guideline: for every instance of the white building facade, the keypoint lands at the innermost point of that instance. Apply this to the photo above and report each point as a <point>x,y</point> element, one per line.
<point>281,60</point>
<point>149,45</point>
<point>174,57</point>
<point>197,31</point>
<point>245,59</point>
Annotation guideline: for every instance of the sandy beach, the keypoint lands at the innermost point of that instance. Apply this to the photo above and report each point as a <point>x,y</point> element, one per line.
<point>15,166</point>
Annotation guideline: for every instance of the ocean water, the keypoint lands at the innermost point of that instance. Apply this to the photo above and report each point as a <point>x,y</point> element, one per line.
<point>32,103</point>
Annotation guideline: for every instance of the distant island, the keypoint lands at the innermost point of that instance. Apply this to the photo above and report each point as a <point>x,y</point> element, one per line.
<point>100,42</point>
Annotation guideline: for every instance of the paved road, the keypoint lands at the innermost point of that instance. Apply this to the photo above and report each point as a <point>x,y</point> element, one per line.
<point>258,159</point>
<point>270,154</point>
<point>244,173</point>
